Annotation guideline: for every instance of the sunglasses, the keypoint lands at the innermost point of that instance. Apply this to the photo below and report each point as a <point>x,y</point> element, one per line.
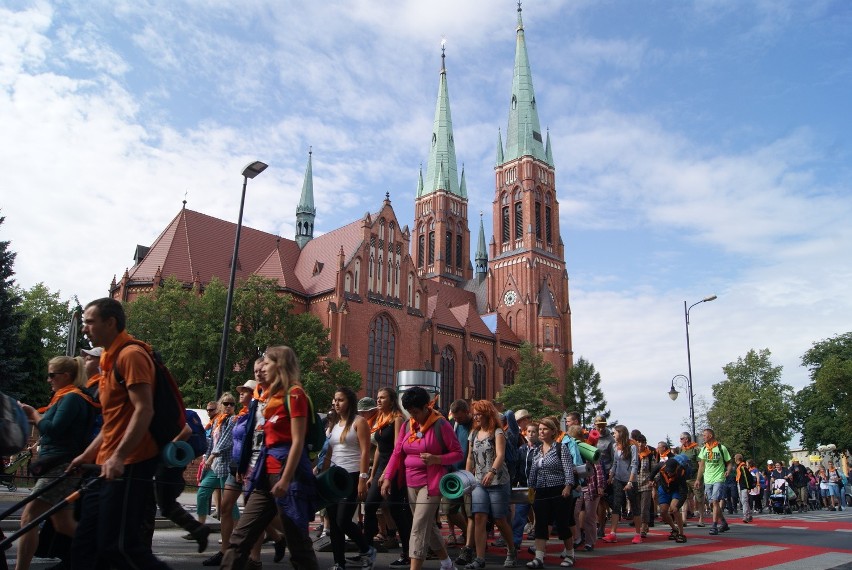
<point>211,411</point>
<point>229,403</point>
<point>54,374</point>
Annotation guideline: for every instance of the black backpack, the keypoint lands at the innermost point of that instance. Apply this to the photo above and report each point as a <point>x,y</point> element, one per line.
<point>169,409</point>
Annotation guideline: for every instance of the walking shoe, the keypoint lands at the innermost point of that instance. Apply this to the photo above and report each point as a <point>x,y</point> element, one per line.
<point>368,558</point>
<point>401,562</point>
<point>637,539</point>
<point>589,547</point>
<point>699,523</point>
<point>714,531</point>
<point>201,536</point>
<point>454,540</point>
<point>511,560</point>
<point>254,565</point>
<point>746,521</point>
<point>499,542</point>
<point>477,564</point>
<point>465,556</point>
<point>529,528</point>
<point>680,539</point>
<point>215,560</point>
<point>535,563</point>
<point>725,527</point>
<point>531,550</point>
<point>610,538</point>
<point>188,536</point>
<point>337,567</point>
<point>280,549</point>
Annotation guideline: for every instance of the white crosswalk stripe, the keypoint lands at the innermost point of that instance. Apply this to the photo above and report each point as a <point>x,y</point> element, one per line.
<point>818,562</point>
<point>707,557</point>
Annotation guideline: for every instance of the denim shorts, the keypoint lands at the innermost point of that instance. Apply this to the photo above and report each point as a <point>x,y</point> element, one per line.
<point>493,500</point>
<point>665,497</point>
<point>714,491</point>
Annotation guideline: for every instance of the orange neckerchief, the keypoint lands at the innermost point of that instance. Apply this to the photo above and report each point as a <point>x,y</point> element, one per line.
<point>217,423</point>
<point>688,446</point>
<point>413,430</point>
<point>739,470</point>
<point>667,454</point>
<point>709,445</point>
<point>646,453</point>
<point>243,411</point>
<point>273,402</point>
<point>95,379</point>
<point>382,420</point>
<point>64,391</point>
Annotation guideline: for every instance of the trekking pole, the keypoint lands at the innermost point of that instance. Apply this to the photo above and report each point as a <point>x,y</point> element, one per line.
<point>32,496</point>
<point>57,507</point>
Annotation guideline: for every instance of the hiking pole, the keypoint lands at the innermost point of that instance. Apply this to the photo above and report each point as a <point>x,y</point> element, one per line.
<point>33,496</point>
<point>57,507</point>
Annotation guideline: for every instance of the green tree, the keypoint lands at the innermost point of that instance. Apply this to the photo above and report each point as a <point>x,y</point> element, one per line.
<point>321,381</point>
<point>583,392</point>
<point>752,407</point>
<point>53,313</point>
<point>12,379</point>
<point>35,390</point>
<point>824,406</point>
<point>533,387</point>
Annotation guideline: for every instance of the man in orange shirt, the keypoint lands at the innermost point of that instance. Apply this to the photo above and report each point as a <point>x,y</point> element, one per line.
<point>116,506</point>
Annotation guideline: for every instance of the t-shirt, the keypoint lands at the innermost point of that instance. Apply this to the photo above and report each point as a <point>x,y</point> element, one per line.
<point>276,429</point>
<point>484,453</point>
<point>136,367</point>
<point>715,461</point>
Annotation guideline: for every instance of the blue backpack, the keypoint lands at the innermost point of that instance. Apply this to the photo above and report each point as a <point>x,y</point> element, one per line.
<point>14,426</point>
<point>684,462</point>
<point>198,440</point>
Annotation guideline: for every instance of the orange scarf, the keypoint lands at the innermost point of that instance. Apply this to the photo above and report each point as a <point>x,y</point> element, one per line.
<point>709,445</point>
<point>665,455</point>
<point>689,446</point>
<point>219,419</point>
<point>643,454</point>
<point>64,391</point>
<point>382,420</point>
<point>740,470</point>
<point>243,411</point>
<point>415,432</point>
<point>273,402</point>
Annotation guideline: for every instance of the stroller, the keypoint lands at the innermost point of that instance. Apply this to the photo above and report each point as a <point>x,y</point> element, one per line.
<point>16,463</point>
<point>783,498</point>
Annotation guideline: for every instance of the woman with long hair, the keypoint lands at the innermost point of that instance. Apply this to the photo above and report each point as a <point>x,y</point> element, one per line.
<point>217,460</point>
<point>349,448</point>
<point>486,459</point>
<point>425,447</point>
<point>552,475</point>
<point>64,426</point>
<point>281,481</point>
<point>622,477</point>
<point>384,430</point>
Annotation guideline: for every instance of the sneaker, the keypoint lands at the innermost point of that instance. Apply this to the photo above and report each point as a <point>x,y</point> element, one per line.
<point>368,558</point>
<point>188,536</point>
<point>254,565</point>
<point>465,556</point>
<point>511,560</point>
<point>280,550</point>
<point>699,524</point>
<point>499,542</point>
<point>610,538</point>
<point>201,536</point>
<point>401,562</point>
<point>714,531</point>
<point>529,528</point>
<point>637,539</point>
<point>725,527</point>
<point>215,560</point>
<point>476,564</point>
<point>589,547</point>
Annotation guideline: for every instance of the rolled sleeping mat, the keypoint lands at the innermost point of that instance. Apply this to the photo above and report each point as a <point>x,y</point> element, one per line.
<point>333,485</point>
<point>457,484</point>
<point>589,452</point>
<point>178,454</point>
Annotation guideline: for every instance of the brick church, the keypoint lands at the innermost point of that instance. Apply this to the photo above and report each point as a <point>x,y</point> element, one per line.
<point>396,297</point>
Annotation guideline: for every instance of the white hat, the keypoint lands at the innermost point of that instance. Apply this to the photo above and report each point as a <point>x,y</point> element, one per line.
<point>249,385</point>
<point>95,352</point>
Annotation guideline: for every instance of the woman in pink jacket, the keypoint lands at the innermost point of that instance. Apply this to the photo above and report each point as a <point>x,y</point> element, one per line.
<point>425,447</point>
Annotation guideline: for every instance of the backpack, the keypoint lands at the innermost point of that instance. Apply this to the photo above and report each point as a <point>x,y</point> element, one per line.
<point>749,479</point>
<point>169,409</point>
<point>14,426</point>
<point>683,459</point>
<point>315,438</point>
<point>198,440</point>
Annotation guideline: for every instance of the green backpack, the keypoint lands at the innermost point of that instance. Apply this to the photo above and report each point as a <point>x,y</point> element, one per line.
<point>315,438</point>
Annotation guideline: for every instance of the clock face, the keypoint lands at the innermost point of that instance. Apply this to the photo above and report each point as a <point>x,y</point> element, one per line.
<point>510,298</point>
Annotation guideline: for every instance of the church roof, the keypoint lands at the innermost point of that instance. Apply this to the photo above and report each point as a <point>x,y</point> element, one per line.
<point>316,267</point>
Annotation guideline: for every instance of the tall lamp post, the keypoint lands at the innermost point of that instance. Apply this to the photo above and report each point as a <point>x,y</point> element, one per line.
<point>251,170</point>
<point>681,380</point>
<point>686,310</point>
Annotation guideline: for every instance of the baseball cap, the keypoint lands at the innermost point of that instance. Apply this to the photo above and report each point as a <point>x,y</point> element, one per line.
<point>366,404</point>
<point>521,414</point>
<point>95,352</point>
<point>769,462</point>
<point>249,386</point>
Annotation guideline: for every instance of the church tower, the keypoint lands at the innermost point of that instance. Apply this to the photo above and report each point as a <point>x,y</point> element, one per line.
<point>441,241</point>
<point>305,211</point>
<point>529,282</point>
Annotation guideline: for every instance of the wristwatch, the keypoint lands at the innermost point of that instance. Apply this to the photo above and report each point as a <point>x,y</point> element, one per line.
<point>363,476</point>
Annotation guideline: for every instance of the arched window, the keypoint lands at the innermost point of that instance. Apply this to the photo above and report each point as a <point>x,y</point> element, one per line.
<point>448,250</point>
<point>410,289</point>
<point>431,248</point>
<point>480,373</point>
<point>357,276</point>
<point>519,216</point>
<point>391,232</point>
<point>506,224</point>
<point>509,370</point>
<point>548,214</point>
<point>381,353</point>
<point>448,377</point>
<point>459,250</point>
<point>537,220</point>
<point>382,228</point>
<point>547,340</point>
<point>421,250</point>
<point>347,285</point>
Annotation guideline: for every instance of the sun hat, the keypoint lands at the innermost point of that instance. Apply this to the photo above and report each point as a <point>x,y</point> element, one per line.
<point>366,404</point>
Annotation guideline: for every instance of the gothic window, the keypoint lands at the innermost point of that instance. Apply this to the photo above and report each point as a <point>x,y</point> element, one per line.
<point>514,103</point>
<point>519,221</point>
<point>448,376</point>
<point>510,321</point>
<point>509,370</point>
<point>431,248</point>
<point>505,215</point>
<point>548,231</point>
<point>347,285</point>
<point>459,251</point>
<point>448,250</point>
<point>357,275</point>
<point>480,373</point>
<point>556,335</point>
<point>538,220</point>
<point>547,339</point>
<point>382,228</point>
<point>379,275</point>
<point>421,250</point>
<point>381,352</point>
<point>410,289</point>
<point>391,233</point>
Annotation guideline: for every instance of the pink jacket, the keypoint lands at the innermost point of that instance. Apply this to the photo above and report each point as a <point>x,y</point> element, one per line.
<point>450,453</point>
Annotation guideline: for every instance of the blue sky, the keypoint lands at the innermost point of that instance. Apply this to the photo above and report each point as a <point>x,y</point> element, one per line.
<point>701,148</point>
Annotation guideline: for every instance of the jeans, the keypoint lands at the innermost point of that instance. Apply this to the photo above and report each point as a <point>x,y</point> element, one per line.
<point>522,511</point>
<point>113,512</point>
<point>341,524</point>
<point>397,505</point>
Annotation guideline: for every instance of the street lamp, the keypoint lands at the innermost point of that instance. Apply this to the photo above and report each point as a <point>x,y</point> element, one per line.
<point>689,359</point>
<point>683,381</point>
<point>251,170</point>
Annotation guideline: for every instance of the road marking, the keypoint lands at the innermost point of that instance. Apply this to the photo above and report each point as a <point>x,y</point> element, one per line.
<point>795,527</point>
<point>711,557</point>
<point>818,562</point>
<point>628,548</point>
<point>843,530</point>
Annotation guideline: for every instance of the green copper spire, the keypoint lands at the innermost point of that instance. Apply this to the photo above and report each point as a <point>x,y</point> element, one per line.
<point>499,148</point>
<point>441,170</point>
<point>548,152</point>
<point>463,185</point>
<point>523,137</point>
<point>481,259</point>
<point>305,211</point>
<point>420,182</point>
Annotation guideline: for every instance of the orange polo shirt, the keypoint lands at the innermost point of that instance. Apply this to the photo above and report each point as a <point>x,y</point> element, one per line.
<point>136,367</point>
